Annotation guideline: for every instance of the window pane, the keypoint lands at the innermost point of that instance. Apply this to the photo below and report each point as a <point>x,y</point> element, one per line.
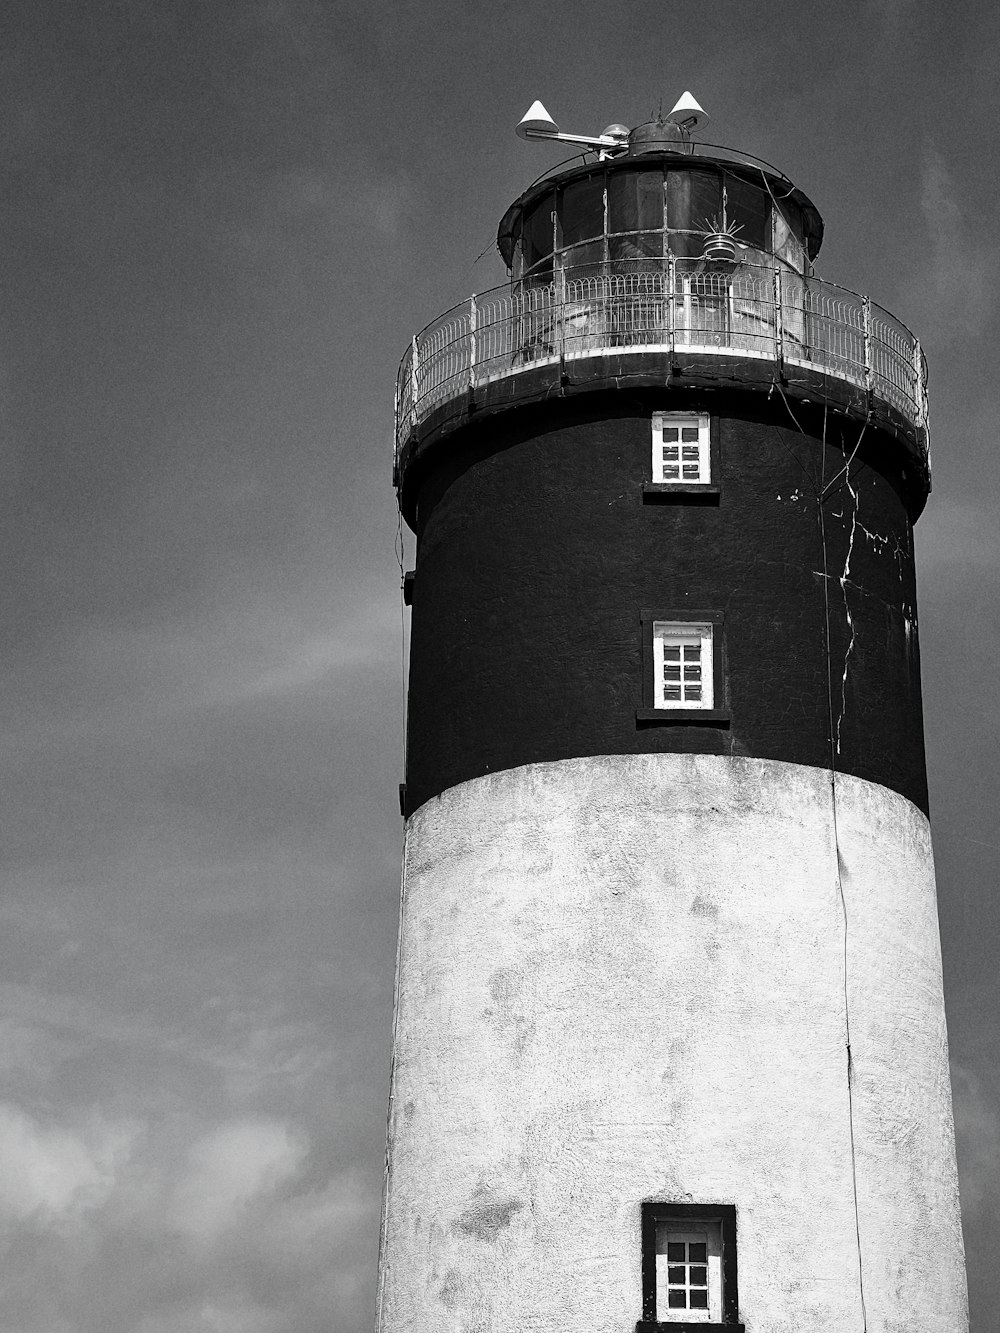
<point>581,210</point>
<point>536,232</point>
<point>672,653</point>
<point>676,1299</point>
<point>635,201</point>
<point>677,1275</point>
<point>689,433</point>
<point>692,671</point>
<point>638,245</point>
<point>672,692</point>
<point>685,246</point>
<point>694,200</point>
<point>699,1300</point>
<point>694,693</point>
<point>670,432</point>
<point>699,1252</point>
<point>649,193</point>
<point>699,1277</point>
<point>749,207</point>
<point>584,261</point>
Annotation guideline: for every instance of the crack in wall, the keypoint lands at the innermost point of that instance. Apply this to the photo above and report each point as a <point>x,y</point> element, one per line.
<point>844,580</point>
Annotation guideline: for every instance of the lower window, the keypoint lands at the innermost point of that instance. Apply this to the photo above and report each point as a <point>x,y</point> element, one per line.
<point>683,669</point>
<point>683,675</point>
<point>689,1271</point>
<point>689,1275</point>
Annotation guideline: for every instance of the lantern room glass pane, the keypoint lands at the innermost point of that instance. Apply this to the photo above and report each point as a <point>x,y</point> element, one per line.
<point>685,244</point>
<point>639,245</point>
<point>635,201</point>
<point>694,200</point>
<point>788,227</point>
<point>748,209</point>
<point>581,210</point>
<point>536,232</point>
<point>583,261</point>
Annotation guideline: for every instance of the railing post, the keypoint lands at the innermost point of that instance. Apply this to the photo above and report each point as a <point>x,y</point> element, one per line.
<point>413,382</point>
<point>866,315</point>
<point>559,292</point>
<point>671,321</point>
<point>395,433</point>
<point>779,326</point>
<point>919,396</point>
<point>472,341</point>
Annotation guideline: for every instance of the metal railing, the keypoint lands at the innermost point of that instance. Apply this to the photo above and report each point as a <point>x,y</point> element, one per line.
<point>758,312</point>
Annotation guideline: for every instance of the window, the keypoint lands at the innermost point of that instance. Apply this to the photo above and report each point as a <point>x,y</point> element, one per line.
<point>682,675</point>
<point>681,448</point>
<point>685,459</point>
<point>682,666</point>
<point>689,1270</point>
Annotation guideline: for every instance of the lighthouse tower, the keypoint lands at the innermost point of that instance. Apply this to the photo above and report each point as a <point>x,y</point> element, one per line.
<point>669,1046</point>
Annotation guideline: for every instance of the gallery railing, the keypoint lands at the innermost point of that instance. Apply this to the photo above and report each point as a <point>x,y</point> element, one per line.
<point>774,315</point>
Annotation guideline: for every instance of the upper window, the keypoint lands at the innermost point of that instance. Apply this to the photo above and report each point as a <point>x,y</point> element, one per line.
<point>689,1266</point>
<point>682,452</point>
<point>683,675</point>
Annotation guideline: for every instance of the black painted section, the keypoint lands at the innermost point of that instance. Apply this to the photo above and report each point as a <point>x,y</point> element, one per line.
<point>813,395</point>
<point>537,555</point>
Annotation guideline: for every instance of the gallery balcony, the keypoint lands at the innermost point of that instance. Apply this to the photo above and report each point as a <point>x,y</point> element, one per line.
<point>678,322</point>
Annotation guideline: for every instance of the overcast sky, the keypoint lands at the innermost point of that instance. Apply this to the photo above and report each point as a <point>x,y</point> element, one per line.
<point>222,222</point>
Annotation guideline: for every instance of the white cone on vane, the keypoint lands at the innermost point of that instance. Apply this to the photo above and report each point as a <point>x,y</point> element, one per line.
<point>687,112</point>
<point>536,120</point>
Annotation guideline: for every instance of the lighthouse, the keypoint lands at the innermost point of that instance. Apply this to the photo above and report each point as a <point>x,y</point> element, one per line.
<point>669,1044</point>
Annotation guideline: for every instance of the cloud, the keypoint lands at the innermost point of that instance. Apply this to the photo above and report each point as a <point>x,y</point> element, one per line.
<point>50,1175</point>
<point>228,1170</point>
<point>977,1133</point>
<point>954,287</point>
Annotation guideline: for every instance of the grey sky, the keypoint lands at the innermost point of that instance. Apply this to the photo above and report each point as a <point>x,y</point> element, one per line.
<point>222,222</point>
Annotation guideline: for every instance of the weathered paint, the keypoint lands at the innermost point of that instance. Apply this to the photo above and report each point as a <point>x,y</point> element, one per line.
<point>629,978</point>
<point>537,554</point>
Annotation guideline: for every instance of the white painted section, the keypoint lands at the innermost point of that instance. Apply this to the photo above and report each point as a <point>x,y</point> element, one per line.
<point>624,978</point>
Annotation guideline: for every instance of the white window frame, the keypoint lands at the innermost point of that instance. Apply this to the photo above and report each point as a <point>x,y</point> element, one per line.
<point>694,457</point>
<point>685,637</point>
<point>689,1230</point>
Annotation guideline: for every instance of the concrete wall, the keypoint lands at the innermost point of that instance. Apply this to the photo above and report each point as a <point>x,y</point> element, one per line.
<point>623,978</point>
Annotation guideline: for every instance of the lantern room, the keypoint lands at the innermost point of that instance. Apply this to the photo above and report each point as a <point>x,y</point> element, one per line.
<point>630,213</point>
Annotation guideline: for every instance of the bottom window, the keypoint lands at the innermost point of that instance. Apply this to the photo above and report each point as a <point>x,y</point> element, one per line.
<point>689,1267</point>
<point>682,665</point>
<point>689,1270</point>
<point>683,668</point>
